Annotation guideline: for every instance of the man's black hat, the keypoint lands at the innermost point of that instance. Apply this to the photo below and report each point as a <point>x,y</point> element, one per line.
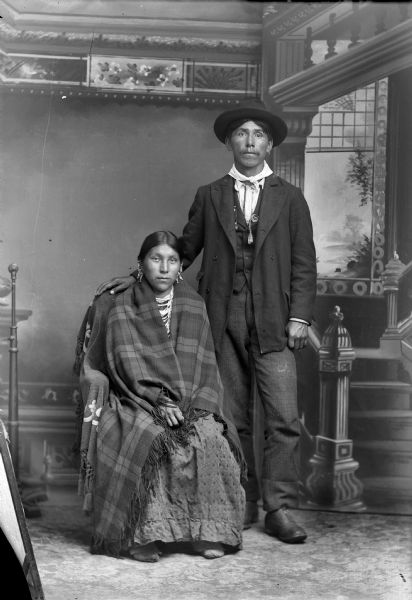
<point>277,125</point>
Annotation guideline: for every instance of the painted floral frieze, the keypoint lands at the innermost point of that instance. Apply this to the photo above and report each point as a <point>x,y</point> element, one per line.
<point>132,74</point>
<point>173,76</point>
<point>136,74</point>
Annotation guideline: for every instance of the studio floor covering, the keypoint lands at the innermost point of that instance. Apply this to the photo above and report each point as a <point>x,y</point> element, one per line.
<point>353,556</point>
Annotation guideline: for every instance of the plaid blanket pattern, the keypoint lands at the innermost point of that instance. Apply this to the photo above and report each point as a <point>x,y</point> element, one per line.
<point>128,360</point>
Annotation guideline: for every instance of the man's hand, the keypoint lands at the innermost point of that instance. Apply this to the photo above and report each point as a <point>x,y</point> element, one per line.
<point>297,335</point>
<point>172,414</point>
<point>116,285</point>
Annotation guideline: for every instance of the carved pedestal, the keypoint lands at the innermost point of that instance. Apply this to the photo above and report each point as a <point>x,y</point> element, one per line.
<point>333,482</point>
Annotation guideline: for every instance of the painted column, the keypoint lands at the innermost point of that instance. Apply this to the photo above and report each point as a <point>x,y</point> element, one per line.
<point>289,157</point>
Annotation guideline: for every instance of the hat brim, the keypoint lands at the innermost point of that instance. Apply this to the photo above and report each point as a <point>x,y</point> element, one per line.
<point>277,125</point>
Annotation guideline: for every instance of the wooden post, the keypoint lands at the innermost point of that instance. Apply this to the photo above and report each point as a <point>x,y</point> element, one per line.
<point>333,483</point>
<point>13,417</point>
<point>332,35</point>
<point>31,491</point>
<point>391,277</point>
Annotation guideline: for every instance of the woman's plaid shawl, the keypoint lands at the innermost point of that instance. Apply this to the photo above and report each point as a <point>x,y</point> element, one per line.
<point>127,361</point>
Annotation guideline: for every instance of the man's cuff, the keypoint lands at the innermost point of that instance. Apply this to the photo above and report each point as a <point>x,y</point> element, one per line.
<point>299,320</point>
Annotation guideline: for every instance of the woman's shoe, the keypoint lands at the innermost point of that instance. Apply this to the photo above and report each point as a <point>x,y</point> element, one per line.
<point>145,553</point>
<point>209,549</point>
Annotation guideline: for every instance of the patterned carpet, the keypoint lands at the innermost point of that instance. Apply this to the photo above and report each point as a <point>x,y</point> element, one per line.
<point>346,557</point>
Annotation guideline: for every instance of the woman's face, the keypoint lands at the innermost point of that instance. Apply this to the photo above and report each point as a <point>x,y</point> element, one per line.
<point>160,267</point>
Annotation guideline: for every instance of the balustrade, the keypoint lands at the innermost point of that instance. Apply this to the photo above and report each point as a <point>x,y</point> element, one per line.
<point>344,31</point>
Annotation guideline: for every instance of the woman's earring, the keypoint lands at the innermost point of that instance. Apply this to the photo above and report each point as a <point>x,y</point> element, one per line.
<point>179,277</point>
<point>139,271</point>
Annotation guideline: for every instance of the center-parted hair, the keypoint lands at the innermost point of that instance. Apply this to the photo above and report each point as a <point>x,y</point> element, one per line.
<point>156,239</point>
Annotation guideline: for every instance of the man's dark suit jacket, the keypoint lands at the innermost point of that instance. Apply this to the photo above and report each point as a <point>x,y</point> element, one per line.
<point>284,272</point>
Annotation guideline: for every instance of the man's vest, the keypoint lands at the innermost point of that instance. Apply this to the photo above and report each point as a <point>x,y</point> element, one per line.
<point>245,249</point>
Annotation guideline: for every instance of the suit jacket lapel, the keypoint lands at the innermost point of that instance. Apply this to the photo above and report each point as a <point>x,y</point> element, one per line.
<point>222,200</point>
<point>273,199</point>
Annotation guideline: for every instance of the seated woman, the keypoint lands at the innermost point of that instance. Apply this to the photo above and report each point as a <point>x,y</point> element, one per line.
<point>161,461</point>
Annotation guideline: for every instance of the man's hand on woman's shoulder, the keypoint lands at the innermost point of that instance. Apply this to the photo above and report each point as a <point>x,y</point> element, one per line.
<point>115,285</point>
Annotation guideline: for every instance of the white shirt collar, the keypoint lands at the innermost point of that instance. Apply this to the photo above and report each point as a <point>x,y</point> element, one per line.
<point>259,178</point>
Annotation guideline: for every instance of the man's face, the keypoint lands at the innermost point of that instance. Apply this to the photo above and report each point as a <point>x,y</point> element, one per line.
<point>250,145</point>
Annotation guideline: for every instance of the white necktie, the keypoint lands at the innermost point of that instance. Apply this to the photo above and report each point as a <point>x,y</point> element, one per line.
<point>248,196</point>
<point>248,189</point>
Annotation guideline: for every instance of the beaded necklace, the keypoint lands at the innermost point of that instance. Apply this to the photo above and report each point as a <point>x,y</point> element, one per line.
<point>165,308</point>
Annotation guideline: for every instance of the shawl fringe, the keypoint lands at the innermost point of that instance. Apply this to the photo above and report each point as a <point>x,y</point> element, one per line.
<point>168,440</point>
<point>235,448</point>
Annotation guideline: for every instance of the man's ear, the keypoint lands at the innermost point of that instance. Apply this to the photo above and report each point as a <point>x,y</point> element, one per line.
<point>270,146</point>
<point>228,145</point>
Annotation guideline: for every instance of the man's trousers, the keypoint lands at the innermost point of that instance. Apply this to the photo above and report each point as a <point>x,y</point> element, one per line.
<point>241,363</point>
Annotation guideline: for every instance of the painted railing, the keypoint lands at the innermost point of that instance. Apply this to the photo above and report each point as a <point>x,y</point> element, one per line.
<point>350,26</point>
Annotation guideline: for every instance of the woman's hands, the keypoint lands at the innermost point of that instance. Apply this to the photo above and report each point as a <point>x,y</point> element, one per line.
<point>172,414</point>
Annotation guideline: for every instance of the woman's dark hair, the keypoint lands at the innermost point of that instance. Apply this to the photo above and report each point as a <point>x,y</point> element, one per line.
<point>235,124</point>
<point>156,239</point>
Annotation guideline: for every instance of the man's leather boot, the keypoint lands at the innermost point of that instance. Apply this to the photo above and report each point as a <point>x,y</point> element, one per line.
<point>282,525</point>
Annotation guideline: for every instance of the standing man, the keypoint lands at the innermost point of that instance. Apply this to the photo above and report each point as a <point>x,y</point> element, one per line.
<point>258,280</point>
